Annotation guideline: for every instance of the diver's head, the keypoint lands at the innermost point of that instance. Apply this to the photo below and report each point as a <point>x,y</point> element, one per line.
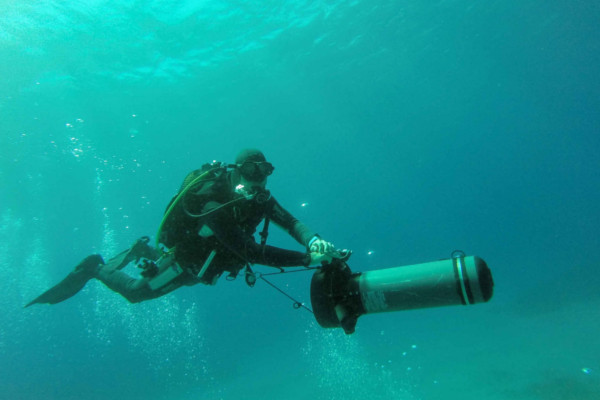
<point>253,168</point>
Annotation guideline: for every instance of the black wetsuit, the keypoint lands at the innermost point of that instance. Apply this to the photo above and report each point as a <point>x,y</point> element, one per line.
<point>232,221</point>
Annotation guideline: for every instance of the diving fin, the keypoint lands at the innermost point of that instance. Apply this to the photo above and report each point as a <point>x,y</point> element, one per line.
<point>87,269</point>
<point>72,284</point>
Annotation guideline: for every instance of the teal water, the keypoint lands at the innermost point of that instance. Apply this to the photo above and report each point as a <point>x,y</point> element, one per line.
<point>408,128</point>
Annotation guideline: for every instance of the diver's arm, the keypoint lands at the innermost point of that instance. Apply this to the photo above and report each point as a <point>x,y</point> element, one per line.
<point>277,257</point>
<point>230,235</point>
<point>296,229</point>
<point>313,242</point>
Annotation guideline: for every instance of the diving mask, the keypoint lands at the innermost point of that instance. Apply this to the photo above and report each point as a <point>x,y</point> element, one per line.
<point>255,170</point>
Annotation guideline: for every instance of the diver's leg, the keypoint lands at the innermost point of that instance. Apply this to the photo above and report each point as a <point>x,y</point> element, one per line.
<point>134,290</point>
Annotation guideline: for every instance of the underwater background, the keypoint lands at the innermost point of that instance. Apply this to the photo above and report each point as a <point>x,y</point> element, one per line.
<point>402,130</point>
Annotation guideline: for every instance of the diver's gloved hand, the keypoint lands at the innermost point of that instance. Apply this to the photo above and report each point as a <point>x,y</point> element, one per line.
<point>319,245</point>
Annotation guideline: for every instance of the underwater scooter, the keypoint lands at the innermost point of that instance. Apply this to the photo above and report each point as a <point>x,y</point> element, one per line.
<point>339,296</point>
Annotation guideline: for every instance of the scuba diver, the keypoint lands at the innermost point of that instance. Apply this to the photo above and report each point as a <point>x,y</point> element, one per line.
<point>207,230</point>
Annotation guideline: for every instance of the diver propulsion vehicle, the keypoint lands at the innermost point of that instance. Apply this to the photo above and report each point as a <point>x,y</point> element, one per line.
<point>339,296</point>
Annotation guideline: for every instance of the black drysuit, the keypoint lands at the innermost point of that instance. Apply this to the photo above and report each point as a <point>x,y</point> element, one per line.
<point>232,220</point>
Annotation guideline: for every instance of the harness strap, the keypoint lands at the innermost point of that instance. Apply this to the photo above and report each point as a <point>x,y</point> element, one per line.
<point>207,264</point>
<point>265,232</point>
